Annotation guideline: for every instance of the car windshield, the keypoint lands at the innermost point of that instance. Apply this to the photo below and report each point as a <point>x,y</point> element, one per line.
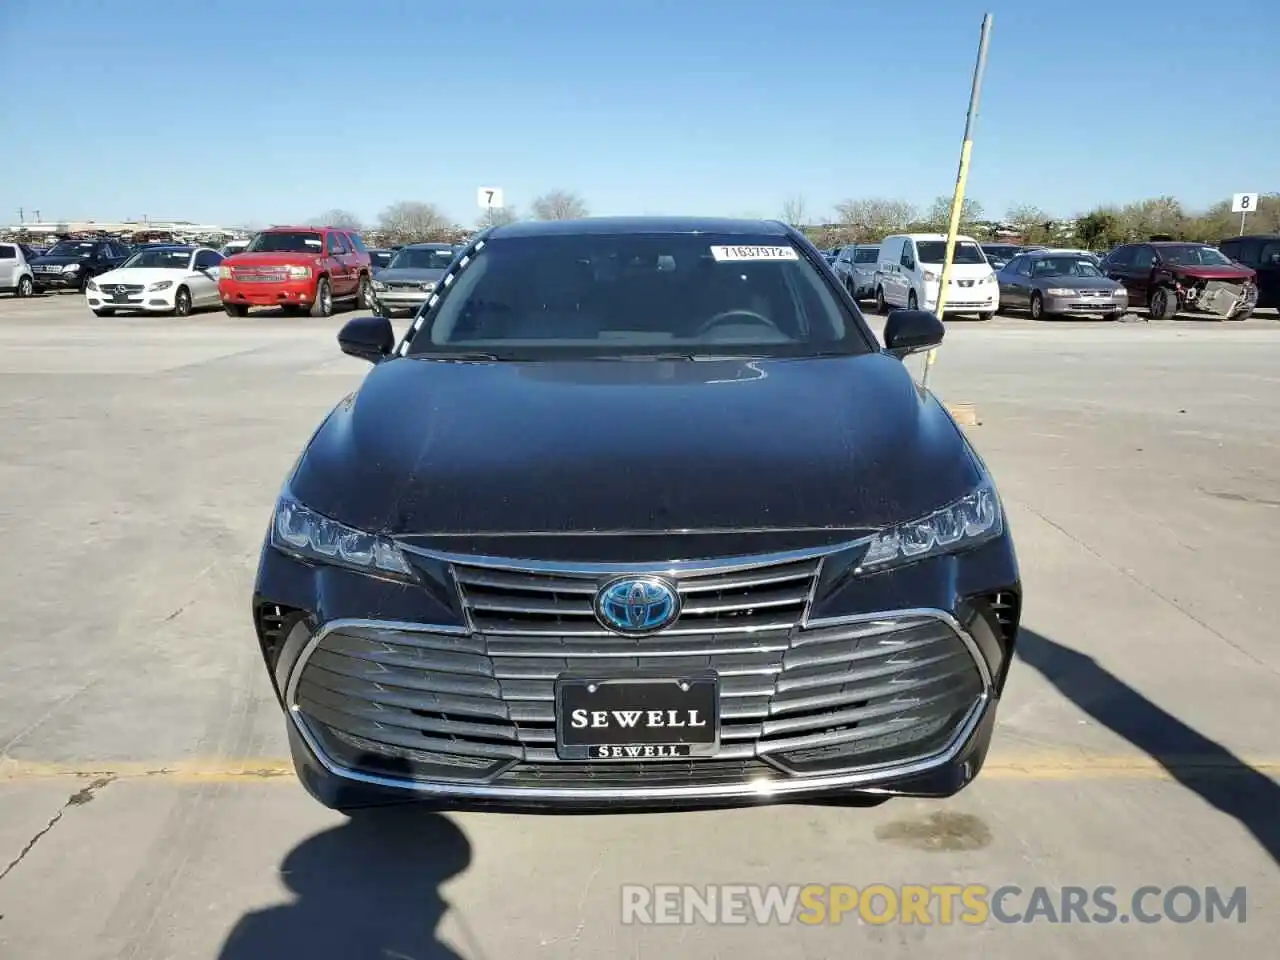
<point>1194,256</point>
<point>1064,267</point>
<point>636,296</point>
<point>866,255</point>
<point>380,258</point>
<point>71,248</point>
<point>287,241</point>
<point>1000,250</point>
<point>966,251</point>
<point>422,258</point>
<point>163,259</point>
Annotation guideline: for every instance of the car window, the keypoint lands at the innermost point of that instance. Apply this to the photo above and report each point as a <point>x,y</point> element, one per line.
<point>1121,256</point>
<point>207,259</point>
<point>356,243</point>
<point>8,252</point>
<point>607,296</point>
<point>422,258</point>
<point>907,259</point>
<point>966,252</point>
<point>287,241</point>
<point>866,255</point>
<point>160,258</point>
<point>336,246</point>
<point>1144,257</point>
<point>1269,255</point>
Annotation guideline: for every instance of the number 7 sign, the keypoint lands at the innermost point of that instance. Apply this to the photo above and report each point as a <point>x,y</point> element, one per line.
<point>489,197</point>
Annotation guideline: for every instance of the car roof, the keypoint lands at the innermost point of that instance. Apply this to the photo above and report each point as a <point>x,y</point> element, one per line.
<point>1253,236</point>
<point>640,225</point>
<point>426,246</point>
<point>1177,243</point>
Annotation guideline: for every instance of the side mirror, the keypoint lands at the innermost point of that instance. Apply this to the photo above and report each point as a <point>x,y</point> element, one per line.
<point>368,338</point>
<point>911,331</point>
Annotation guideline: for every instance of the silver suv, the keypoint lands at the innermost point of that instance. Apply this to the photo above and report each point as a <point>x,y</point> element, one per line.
<point>15,270</point>
<point>856,267</point>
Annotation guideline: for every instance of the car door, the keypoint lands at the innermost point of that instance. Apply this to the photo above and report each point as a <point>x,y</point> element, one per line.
<point>1119,263</point>
<point>340,264</point>
<point>8,266</point>
<point>204,278</point>
<point>1267,266</point>
<point>1011,282</point>
<point>1140,272</point>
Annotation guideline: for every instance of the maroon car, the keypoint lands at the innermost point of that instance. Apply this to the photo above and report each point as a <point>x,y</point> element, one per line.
<point>1169,276</point>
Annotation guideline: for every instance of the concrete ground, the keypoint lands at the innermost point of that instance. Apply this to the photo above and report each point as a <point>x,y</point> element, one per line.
<point>146,805</point>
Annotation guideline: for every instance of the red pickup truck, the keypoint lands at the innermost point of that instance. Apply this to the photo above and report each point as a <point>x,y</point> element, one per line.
<point>297,269</point>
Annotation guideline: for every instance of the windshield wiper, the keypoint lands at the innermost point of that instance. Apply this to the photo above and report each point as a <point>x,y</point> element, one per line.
<point>460,357</point>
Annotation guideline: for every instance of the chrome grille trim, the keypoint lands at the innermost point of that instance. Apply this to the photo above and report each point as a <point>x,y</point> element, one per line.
<point>525,736</point>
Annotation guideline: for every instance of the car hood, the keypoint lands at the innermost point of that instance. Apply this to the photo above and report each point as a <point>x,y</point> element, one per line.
<point>1076,283</point>
<point>442,447</point>
<point>1209,273</point>
<point>139,275</point>
<point>409,275</point>
<point>57,261</point>
<point>272,259</point>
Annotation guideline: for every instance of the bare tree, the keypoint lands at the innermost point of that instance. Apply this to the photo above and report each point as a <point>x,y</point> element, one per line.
<point>559,205</point>
<point>497,217</point>
<point>939,215</point>
<point>343,219</point>
<point>795,211</point>
<point>874,219</point>
<point>411,221</point>
<point>1033,224</point>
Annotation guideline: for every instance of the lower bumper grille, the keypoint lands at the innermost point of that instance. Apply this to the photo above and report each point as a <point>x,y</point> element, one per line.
<point>479,707</point>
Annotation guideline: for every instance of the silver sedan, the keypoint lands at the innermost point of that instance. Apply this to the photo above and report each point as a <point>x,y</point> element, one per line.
<point>1060,284</point>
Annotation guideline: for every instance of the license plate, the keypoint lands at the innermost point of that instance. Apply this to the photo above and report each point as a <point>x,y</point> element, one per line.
<point>120,298</point>
<point>637,718</point>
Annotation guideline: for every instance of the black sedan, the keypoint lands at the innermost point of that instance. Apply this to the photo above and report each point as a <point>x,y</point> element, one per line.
<point>637,512</point>
<point>1048,283</point>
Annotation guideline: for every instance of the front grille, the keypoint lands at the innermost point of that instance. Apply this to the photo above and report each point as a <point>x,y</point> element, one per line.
<point>122,288</point>
<point>506,601</point>
<point>404,285</point>
<point>478,705</point>
<point>258,275</point>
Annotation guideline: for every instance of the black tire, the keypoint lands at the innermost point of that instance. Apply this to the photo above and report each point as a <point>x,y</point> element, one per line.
<point>323,305</point>
<point>235,309</point>
<point>1163,304</point>
<point>291,309</point>
<point>182,303</point>
<point>984,317</point>
<point>1244,314</point>
<point>26,287</point>
<point>1113,316</point>
<point>1037,306</point>
<point>881,305</point>
<point>912,302</point>
<point>104,313</point>
<point>364,293</point>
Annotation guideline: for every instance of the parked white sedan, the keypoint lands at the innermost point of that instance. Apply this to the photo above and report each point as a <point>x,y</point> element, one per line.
<point>158,279</point>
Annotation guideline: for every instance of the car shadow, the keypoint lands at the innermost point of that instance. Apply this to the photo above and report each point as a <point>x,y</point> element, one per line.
<point>369,887</point>
<point>1199,764</point>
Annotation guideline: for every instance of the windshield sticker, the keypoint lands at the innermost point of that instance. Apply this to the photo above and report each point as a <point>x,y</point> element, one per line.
<point>739,254</point>
<point>312,243</point>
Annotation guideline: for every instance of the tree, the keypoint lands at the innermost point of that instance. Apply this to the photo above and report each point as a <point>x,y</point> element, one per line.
<point>497,217</point>
<point>939,216</point>
<point>1158,216</point>
<point>1099,229</point>
<point>411,221</point>
<point>794,211</point>
<point>559,205</point>
<point>1033,224</point>
<point>873,219</point>
<point>343,219</point>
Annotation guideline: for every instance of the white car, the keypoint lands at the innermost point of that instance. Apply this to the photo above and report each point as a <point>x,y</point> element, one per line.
<point>909,274</point>
<point>15,271</point>
<point>158,279</point>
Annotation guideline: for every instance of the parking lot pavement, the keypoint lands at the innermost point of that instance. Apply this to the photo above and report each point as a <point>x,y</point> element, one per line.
<point>146,808</point>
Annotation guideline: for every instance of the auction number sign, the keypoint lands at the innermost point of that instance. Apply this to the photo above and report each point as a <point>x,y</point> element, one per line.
<point>1244,202</point>
<point>489,198</point>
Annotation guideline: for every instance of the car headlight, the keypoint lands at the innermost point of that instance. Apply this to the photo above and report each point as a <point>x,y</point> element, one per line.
<point>71,268</point>
<point>301,532</point>
<point>160,285</point>
<point>428,287</point>
<point>1120,292</point>
<point>224,273</point>
<point>91,286</point>
<point>379,285</point>
<point>989,278</point>
<point>930,277</point>
<point>298,273</point>
<point>1060,292</point>
<point>970,521</point>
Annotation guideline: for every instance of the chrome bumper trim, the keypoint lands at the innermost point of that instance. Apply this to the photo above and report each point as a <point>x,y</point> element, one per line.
<point>863,777</point>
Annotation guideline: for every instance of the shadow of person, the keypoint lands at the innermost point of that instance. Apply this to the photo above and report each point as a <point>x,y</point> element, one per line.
<point>368,888</point>
<point>1203,766</point>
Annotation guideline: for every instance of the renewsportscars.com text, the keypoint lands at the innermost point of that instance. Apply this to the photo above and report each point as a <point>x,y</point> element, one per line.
<point>940,904</point>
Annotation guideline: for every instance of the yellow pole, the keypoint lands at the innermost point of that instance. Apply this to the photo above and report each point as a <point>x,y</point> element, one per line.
<point>962,177</point>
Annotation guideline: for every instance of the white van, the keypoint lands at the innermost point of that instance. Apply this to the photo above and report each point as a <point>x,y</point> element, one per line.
<point>910,267</point>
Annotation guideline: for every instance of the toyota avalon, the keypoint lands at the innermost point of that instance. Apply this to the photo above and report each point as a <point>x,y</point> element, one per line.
<point>637,512</point>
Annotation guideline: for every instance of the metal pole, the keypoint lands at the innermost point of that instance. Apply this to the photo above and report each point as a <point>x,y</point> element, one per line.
<point>962,176</point>
<point>1242,216</point>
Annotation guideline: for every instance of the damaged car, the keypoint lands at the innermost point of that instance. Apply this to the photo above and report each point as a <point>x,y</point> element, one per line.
<point>1171,276</point>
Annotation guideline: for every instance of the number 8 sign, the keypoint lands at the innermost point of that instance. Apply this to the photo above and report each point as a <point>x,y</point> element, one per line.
<point>1244,202</point>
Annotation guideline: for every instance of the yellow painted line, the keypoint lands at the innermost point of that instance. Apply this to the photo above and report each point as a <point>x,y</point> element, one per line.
<point>1050,766</point>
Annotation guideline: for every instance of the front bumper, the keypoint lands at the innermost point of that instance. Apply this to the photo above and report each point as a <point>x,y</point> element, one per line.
<point>272,293</point>
<point>393,300</point>
<point>1086,305</point>
<point>57,281</point>
<point>979,298</point>
<point>869,701</point>
<point>157,301</point>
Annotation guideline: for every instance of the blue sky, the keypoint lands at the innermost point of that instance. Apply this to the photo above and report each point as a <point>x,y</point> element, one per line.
<point>273,111</point>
